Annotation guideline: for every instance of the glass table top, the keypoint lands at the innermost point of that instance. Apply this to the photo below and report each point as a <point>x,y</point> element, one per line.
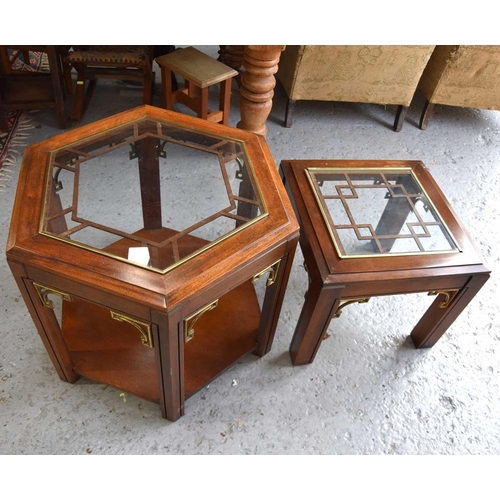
<point>378,213</point>
<point>152,193</point>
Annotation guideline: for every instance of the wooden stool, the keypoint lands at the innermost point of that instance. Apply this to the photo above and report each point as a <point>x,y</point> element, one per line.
<point>199,72</point>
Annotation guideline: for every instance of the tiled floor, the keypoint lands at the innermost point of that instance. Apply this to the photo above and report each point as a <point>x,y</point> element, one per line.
<point>368,392</point>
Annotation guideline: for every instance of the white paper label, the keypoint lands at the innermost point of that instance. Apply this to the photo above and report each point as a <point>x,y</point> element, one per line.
<point>139,255</point>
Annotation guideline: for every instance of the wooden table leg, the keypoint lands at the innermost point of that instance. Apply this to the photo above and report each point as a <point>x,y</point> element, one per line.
<point>257,84</point>
<point>172,397</point>
<point>438,319</point>
<point>50,332</point>
<point>314,319</point>
<point>273,302</point>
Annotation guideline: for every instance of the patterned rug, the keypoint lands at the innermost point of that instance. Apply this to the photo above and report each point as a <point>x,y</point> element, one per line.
<point>19,123</point>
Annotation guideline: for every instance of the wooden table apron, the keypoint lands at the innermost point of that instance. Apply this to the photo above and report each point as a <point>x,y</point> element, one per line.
<point>328,290</point>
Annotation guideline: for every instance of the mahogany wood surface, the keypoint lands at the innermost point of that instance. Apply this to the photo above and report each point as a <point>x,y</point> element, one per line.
<point>93,344</point>
<point>222,336</point>
<point>109,351</point>
<point>334,279</point>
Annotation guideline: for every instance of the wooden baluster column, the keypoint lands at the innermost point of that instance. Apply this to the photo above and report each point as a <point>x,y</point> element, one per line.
<point>232,55</point>
<point>257,86</point>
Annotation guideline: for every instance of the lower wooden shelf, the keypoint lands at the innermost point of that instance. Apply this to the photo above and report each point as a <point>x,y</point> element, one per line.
<point>111,352</point>
<point>222,336</point>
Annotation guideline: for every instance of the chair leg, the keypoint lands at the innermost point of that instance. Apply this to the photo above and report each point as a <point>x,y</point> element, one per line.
<point>67,77</point>
<point>290,108</point>
<point>82,96</point>
<point>55,73</point>
<point>400,118</point>
<point>426,115</point>
<point>26,57</point>
<point>77,111</point>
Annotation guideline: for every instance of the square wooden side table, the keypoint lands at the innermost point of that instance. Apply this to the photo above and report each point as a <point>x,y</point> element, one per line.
<point>152,250</point>
<point>373,228</point>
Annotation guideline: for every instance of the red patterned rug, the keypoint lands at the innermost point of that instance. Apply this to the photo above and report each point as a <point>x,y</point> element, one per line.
<point>19,123</point>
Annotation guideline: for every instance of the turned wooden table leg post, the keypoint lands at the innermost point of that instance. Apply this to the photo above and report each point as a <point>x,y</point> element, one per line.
<point>257,86</point>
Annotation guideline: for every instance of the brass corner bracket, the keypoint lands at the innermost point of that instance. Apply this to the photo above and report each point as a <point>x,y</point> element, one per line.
<point>144,328</point>
<point>43,292</point>
<point>344,303</point>
<point>449,296</point>
<point>273,273</point>
<point>191,320</point>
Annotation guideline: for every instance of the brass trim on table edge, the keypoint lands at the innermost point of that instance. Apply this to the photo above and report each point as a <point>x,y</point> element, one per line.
<point>252,170</point>
<point>43,292</point>
<point>193,318</point>
<point>449,296</point>
<point>273,273</point>
<point>346,302</point>
<point>377,255</point>
<point>144,328</point>
<point>154,269</point>
<point>48,178</point>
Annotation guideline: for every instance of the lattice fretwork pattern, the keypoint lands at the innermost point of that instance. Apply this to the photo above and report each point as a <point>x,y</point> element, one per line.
<point>378,213</point>
<point>186,192</point>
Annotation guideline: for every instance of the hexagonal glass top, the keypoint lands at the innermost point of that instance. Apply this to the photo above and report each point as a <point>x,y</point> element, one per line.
<point>378,212</point>
<point>150,192</point>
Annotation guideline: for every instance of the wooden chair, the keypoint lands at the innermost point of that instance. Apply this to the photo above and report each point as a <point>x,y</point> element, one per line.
<point>121,62</point>
<point>379,74</point>
<point>28,88</point>
<point>461,75</point>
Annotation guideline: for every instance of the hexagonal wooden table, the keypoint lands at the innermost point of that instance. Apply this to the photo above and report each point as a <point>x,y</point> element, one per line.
<point>372,228</point>
<point>138,242</point>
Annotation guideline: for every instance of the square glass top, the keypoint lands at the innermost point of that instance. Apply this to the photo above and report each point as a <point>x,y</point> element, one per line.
<point>149,192</point>
<point>376,213</point>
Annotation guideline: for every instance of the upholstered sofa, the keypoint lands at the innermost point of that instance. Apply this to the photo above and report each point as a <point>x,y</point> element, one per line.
<point>382,74</point>
<point>461,75</point>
